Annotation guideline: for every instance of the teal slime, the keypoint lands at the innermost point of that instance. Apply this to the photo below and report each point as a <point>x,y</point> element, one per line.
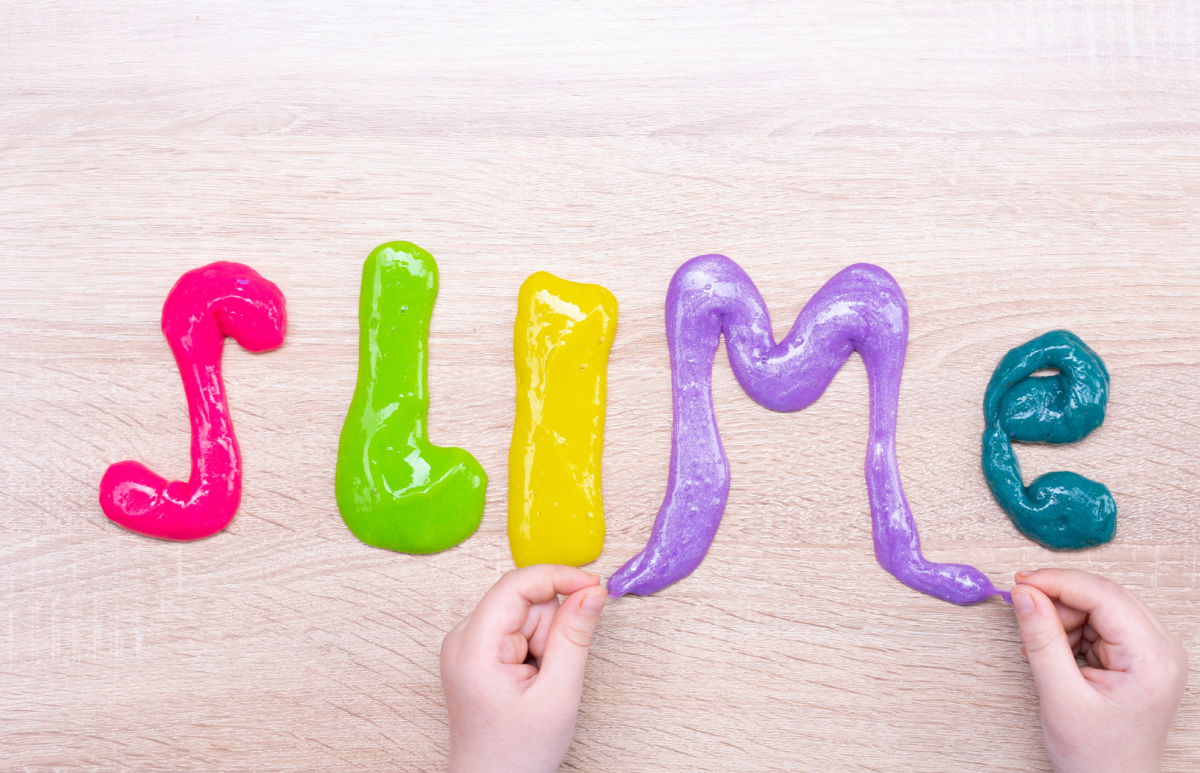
<point>1060,510</point>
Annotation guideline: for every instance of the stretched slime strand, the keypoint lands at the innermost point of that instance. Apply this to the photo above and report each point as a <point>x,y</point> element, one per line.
<point>860,309</point>
<point>561,340</point>
<point>205,305</point>
<point>395,489</point>
<point>1060,510</point>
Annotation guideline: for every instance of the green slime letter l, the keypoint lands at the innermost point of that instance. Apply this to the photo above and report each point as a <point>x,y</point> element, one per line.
<point>395,489</point>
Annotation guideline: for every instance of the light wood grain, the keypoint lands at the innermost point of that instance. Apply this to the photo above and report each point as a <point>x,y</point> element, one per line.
<point>1017,167</point>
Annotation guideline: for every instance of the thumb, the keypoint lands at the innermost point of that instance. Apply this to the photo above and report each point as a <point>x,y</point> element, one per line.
<point>1050,656</point>
<point>570,636</point>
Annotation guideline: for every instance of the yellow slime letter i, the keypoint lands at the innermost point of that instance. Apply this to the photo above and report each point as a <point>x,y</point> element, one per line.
<point>563,333</point>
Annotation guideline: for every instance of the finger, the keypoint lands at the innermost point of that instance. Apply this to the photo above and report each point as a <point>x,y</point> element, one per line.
<point>1074,637</point>
<point>538,636</point>
<point>1112,612</point>
<point>1050,656</point>
<point>1072,619</point>
<point>569,639</point>
<point>505,608</point>
<point>512,649</point>
<point>523,674</point>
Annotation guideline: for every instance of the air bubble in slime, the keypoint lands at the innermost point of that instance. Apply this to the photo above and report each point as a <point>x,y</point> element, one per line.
<point>561,340</point>
<point>205,305</point>
<point>860,309</point>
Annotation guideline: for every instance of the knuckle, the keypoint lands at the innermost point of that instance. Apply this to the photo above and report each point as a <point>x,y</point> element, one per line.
<point>1167,664</point>
<point>1176,664</point>
<point>451,660</point>
<point>1181,653</point>
<point>450,645</point>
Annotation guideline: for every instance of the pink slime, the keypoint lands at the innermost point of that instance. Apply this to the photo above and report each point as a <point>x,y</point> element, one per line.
<point>205,305</point>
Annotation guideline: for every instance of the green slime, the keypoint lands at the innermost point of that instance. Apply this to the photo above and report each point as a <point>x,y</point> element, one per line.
<point>1060,510</point>
<point>395,489</point>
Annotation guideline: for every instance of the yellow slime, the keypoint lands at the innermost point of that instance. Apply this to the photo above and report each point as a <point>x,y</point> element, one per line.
<point>562,337</point>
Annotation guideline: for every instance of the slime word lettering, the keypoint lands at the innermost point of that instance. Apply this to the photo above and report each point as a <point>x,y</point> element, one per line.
<point>1060,510</point>
<point>860,309</point>
<point>395,489</point>
<point>205,305</point>
<point>561,340</point>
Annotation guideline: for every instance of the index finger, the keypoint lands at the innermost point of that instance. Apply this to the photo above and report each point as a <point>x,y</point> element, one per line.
<point>505,607</point>
<point>1112,611</point>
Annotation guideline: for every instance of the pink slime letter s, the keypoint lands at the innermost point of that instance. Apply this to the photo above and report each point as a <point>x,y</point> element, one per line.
<point>205,305</point>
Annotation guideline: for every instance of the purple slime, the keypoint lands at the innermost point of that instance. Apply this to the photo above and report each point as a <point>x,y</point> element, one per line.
<point>860,309</point>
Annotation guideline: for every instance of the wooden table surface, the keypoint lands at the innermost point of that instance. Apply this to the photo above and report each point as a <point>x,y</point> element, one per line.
<point>1017,167</point>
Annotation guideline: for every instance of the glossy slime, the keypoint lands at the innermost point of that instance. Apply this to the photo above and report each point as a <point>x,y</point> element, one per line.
<point>395,489</point>
<point>205,305</point>
<point>860,309</point>
<point>561,340</point>
<point>1060,510</point>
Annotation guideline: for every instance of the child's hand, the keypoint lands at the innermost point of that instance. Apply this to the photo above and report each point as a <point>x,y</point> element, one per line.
<point>1114,713</point>
<point>507,714</point>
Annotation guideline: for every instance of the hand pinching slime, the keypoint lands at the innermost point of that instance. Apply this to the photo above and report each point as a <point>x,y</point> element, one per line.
<point>860,309</point>
<point>1059,510</point>
<point>205,305</point>
<point>395,489</point>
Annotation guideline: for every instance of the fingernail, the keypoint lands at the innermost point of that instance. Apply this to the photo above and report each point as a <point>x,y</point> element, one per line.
<point>1023,602</point>
<point>593,603</point>
<point>1021,575</point>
